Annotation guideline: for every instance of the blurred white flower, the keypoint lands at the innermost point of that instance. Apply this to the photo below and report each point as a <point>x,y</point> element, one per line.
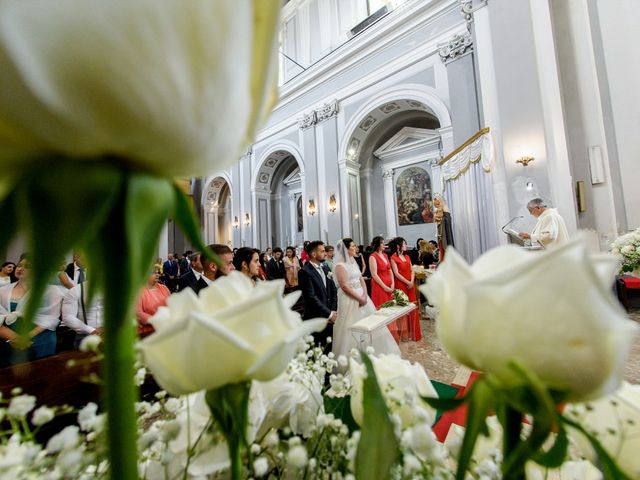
<point>260,466</point>
<point>87,417</point>
<point>67,439</point>
<point>297,456</point>
<point>233,332</point>
<point>90,343</point>
<point>175,87</point>
<point>42,415</point>
<point>402,384</point>
<point>21,405</point>
<point>553,312</point>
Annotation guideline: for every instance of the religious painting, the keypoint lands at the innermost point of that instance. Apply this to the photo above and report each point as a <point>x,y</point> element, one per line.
<point>413,197</point>
<point>299,214</point>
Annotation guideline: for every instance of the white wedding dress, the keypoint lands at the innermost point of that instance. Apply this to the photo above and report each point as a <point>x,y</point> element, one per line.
<point>350,312</point>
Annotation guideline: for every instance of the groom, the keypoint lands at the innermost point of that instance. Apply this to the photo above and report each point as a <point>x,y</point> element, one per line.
<point>319,292</point>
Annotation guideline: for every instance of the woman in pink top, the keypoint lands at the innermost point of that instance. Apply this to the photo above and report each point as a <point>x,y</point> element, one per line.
<point>153,296</point>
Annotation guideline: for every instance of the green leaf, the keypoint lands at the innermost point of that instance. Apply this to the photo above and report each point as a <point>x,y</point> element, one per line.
<point>378,447</point>
<point>58,215</point>
<point>605,463</point>
<point>185,218</point>
<point>229,406</point>
<point>340,408</point>
<point>445,404</point>
<point>481,402</point>
<point>556,455</point>
<point>8,220</point>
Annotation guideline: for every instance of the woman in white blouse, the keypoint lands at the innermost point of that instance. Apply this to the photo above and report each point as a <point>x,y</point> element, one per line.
<point>41,338</point>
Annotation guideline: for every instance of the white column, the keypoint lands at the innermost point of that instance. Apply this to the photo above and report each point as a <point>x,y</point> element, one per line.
<point>389,202</point>
<point>558,168</point>
<point>293,213</point>
<point>163,244</point>
<point>344,198</point>
<point>214,214</point>
<point>366,175</point>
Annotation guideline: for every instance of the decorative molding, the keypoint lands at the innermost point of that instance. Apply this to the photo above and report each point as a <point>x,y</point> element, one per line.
<point>457,47</point>
<point>387,173</point>
<point>468,8</point>
<point>327,111</point>
<point>308,120</point>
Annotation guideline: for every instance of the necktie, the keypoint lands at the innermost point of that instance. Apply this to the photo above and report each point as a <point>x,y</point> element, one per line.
<point>81,275</point>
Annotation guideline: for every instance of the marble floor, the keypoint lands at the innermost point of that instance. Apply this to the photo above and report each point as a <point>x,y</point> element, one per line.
<point>439,366</point>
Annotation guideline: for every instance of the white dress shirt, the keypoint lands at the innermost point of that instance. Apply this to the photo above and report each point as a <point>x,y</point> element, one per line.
<point>47,315</point>
<point>321,272</point>
<point>72,314</point>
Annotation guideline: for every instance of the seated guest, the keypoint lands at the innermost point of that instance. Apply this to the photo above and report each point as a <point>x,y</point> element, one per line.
<point>80,315</point>
<point>210,270</point>
<point>291,266</point>
<point>153,296</point>
<point>275,266</point>
<point>247,261</point>
<point>190,279</point>
<point>41,339</point>
<point>6,273</point>
<point>426,256</point>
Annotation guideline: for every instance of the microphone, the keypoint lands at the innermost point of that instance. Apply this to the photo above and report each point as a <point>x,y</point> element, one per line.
<point>510,222</point>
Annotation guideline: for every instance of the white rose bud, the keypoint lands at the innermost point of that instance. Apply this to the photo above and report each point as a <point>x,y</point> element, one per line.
<point>175,87</point>
<point>552,312</point>
<point>233,332</point>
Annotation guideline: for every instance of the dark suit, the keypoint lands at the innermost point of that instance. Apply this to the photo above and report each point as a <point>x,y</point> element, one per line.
<point>319,300</point>
<point>275,269</point>
<point>188,280</point>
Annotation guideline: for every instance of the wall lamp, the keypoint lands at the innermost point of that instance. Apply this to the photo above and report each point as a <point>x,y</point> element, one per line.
<point>236,222</point>
<point>525,160</point>
<point>247,219</point>
<point>333,204</point>
<point>312,207</point>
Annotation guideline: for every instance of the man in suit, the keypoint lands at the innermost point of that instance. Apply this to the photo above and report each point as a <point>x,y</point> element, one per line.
<point>190,279</point>
<point>319,292</point>
<point>275,266</point>
<point>211,271</point>
<point>75,270</point>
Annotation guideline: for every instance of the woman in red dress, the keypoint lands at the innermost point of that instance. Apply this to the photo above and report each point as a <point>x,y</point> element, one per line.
<point>382,284</point>
<point>404,280</point>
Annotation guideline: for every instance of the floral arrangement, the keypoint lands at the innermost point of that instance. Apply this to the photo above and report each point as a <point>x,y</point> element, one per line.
<point>399,299</point>
<point>627,247</point>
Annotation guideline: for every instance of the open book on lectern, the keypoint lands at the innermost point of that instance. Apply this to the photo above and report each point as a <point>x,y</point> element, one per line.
<point>514,237</point>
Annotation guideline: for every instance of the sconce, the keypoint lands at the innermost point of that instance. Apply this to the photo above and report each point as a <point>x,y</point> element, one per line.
<point>525,160</point>
<point>333,204</point>
<point>236,222</point>
<point>247,219</point>
<point>312,208</point>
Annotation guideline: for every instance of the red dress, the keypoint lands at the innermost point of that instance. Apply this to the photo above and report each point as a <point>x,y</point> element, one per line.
<point>378,295</point>
<point>412,322</point>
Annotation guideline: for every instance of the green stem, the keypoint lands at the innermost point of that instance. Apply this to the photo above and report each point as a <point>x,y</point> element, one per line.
<point>120,398</point>
<point>512,429</point>
<point>235,455</point>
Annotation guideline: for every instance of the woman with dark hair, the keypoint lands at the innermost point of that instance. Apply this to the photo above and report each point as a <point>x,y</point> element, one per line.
<point>291,267</point>
<point>445,229</point>
<point>304,258</point>
<point>247,261</point>
<point>359,258</point>
<point>262,269</point>
<point>354,304</point>
<point>382,284</point>
<point>6,273</point>
<point>409,326</point>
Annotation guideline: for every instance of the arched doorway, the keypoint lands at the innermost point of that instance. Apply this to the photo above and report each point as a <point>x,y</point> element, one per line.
<point>387,137</point>
<point>278,196</point>
<point>216,209</point>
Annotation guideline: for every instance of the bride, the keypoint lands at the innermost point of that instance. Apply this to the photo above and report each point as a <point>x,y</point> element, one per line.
<point>354,304</point>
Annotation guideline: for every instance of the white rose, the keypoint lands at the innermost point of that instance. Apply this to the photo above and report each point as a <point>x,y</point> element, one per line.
<point>627,249</point>
<point>553,312</point>
<point>175,87</point>
<point>233,332</point>
<point>615,420</point>
<point>402,384</point>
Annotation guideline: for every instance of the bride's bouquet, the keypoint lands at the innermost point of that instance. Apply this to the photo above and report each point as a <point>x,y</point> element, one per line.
<point>400,299</point>
<point>628,248</point>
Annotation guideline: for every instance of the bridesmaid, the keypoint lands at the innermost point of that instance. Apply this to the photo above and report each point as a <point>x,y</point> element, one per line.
<point>404,280</point>
<point>382,284</point>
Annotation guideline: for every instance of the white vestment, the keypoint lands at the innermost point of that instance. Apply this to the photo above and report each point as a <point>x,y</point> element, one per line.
<point>550,229</point>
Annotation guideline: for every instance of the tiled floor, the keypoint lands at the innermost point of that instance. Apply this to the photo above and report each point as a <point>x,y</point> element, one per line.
<point>439,366</point>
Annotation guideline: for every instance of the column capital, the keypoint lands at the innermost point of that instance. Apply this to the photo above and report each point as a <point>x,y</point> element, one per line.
<point>387,173</point>
<point>458,46</point>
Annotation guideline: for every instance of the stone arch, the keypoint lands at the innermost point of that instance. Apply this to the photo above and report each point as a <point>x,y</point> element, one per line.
<point>217,209</point>
<point>269,162</point>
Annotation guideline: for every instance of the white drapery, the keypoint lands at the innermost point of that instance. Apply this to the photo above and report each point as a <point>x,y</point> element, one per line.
<point>467,187</point>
